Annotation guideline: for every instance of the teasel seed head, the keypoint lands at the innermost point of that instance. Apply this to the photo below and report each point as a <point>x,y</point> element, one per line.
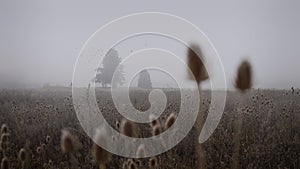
<point>22,154</point>
<point>132,165</point>
<point>156,130</point>
<point>153,120</point>
<point>141,152</point>
<point>139,162</point>
<point>153,162</point>
<point>128,128</point>
<point>118,125</point>
<point>50,162</point>
<point>125,165</point>
<point>3,146</point>
<point>4,138</point>
<point>68,144</point>
<point>48,139</point>
<point>4,129</point>
<point>99,154</point>
<point>4,163</point>
<point>43,146</point>
<point>39,150</point>
<point>196,64</point>
<point>170,121</point>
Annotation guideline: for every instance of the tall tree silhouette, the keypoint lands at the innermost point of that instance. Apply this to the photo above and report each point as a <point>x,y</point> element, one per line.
<point>109,65</point>
<point>144,80</point>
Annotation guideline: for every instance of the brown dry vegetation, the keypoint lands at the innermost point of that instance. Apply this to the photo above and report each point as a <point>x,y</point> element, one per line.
<point>269,136</point>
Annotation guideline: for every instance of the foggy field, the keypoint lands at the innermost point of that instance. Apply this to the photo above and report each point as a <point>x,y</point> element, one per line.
<point>269,134</point>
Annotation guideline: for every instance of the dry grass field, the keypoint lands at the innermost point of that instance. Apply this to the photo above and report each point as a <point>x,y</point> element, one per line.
<point>33,119</point>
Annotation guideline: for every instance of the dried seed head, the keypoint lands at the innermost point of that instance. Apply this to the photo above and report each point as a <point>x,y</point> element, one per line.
<point>4,138</point>
<point>196,65</point>
<point>170,121</point>
<point>50,163</point>
<point>5,163</point>
<point>4,128</point>
<point>99,154</point>
<point>22,154</point>
<point>67,142</point>
<point>156,130</point>
<point>125,165</point>
<point>43,147</point>
<point>128,128</point>
<point>139,163</point>
<point>118,125</point>
<point>153,162</point>
<point>3,146</point>
<point>132,165</point>
<point>48,139</point>
<point>141,152</point>
<point>153,120</point>
<point>38,150</point>
<point>243,80</point>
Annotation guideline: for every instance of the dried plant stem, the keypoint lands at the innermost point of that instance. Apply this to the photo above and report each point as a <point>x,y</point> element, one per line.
<point>199,147</point>
<point>72,160</point>
<point>102,166</point>
<point>22,164</point>
<point>238,125</point>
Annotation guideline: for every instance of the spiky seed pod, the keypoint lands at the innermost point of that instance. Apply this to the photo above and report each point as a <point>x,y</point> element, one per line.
<point>132,165</point>
<point>22,155</point>
<point>156,130</point>
<point>153,120</point>
<point>4,129</point>
<point>48,139</point>
<point>195,63</point>
<point>153,162</point>
<point>38,150</point>
<point>43,146</point>
<point>3,146</point>
<point>67,142</point>
<point>128,128</point>
<point>118,125</point>
<point>141,152</point>
<point>243,80</point>
<point>125,165</point>
<point>139,162</point>
<point>50,163</point>
<point>99,154</point>
<point>4,138</point>
<point>170,121</point>
<point>5,163</point>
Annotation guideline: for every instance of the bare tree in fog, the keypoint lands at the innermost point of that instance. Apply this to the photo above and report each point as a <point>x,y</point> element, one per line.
<point>144,80</point>
<point>109,65</point>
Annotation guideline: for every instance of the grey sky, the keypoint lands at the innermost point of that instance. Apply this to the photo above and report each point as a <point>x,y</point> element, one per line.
<point>40,41</point>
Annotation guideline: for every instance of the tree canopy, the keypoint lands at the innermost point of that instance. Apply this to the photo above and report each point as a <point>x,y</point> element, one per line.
<point>109,65</point>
